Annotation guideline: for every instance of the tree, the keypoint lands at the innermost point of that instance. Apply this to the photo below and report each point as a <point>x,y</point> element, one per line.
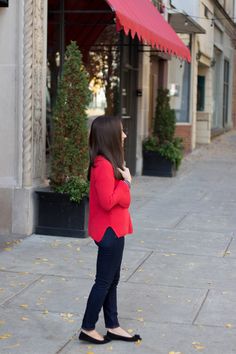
<point>69,151</point>
<point>162,139</point>
<point>164,121</point>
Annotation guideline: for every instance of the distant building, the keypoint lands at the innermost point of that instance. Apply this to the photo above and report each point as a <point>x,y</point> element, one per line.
<point>203,90</point>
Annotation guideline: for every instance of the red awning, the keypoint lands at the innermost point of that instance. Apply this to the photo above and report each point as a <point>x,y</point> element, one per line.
<point>142,18</point>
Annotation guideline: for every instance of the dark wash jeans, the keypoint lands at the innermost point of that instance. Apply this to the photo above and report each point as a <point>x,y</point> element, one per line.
<point>104,291</point>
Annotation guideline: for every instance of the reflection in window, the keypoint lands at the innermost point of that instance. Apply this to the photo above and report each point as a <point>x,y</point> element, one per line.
<point>104,66</point>
<point>179,84</point>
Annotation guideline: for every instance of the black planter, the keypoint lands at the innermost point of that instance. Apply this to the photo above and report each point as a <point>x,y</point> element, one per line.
<point>58,216</point>
<point>156,165</point>
<point>3,3</point>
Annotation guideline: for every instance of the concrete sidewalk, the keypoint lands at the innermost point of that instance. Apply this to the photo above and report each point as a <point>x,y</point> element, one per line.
<point>178,283</point>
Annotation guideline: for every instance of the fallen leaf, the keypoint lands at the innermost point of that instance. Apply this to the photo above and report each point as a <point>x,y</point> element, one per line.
<point>5,336</point>
<point>229,325</point>
<point>67,317</point>
<point>24,318</point>
<point>7,249</point>
<point>130,330</point>
<point>140,319</point>
<point>138,342</point>
<point>25,306</point>
<point>45,312</point>
<point>12,346</point>
<point>198,346</point>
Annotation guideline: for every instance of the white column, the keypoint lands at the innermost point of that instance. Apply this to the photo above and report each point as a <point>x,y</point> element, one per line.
<point>34,119</point>
<point>143,105</point>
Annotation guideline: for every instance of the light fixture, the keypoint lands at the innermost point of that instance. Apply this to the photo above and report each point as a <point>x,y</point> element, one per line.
<point>162,8</point>
<point>213,62</point>
<point>198,55</point>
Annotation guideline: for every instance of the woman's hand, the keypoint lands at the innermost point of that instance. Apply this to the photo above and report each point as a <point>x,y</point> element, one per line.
<point>125,173</point>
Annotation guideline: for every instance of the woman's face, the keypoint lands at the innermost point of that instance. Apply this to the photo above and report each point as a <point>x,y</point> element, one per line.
<point>123,135</point>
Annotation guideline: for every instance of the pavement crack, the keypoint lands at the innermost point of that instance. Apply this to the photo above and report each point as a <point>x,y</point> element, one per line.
<point>144,260</point>
<point>5,302</point>
<point>63,347</point>
<point>181,219</point>
<point>228,246</point>
<point>201,306</point>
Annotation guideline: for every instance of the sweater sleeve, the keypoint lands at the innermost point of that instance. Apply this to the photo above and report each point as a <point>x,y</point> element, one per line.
<point>108,194</point>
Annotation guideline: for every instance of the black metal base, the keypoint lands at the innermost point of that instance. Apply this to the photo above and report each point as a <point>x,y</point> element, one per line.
<point>58,216</point>
<point>156,165</point>
<point>3,3</point>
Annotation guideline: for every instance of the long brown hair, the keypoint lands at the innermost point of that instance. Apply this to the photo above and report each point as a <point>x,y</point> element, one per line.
<point>105,139</point>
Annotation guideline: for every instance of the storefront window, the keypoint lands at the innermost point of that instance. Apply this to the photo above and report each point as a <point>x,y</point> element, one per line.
<point>91,25</point>
<point>103,66</point>
<point>200,93</point>
<point>179,84</point>
<point>110,58</point>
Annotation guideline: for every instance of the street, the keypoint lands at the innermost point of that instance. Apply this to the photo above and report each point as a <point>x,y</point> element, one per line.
<point>178,282</point>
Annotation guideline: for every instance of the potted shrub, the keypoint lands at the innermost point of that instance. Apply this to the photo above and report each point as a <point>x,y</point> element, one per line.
<point>62,208</point>
<point>162,152</point>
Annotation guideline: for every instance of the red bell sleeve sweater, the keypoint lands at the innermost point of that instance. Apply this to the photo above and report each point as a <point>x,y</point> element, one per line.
<point>109,200</point>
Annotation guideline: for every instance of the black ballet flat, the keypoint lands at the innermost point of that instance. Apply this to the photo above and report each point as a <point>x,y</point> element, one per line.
<point>87,338</point>
<point>112,336</point>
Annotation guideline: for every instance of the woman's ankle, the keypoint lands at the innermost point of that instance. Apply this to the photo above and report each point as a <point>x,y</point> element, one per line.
<point>87,330</point>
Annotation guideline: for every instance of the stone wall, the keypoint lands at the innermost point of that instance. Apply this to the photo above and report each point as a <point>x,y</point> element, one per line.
<point>23,40</point>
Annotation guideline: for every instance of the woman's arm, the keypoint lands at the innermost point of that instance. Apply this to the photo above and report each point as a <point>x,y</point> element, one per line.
<point>108,194</point>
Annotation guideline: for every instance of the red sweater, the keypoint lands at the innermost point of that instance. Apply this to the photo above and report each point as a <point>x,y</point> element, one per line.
<point>109,200</point>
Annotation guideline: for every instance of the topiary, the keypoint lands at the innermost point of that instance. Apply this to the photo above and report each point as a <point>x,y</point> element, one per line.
<point>69,150</point>
<point>164,121</point>
<point>162,139</point>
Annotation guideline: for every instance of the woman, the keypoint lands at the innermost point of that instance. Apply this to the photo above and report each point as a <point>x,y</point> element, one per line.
<point>109,222</point>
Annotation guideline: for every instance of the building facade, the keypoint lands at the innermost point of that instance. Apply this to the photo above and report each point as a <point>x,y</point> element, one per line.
<point>209,109</point>
<point>23,41</point>
<point>33,37</point>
